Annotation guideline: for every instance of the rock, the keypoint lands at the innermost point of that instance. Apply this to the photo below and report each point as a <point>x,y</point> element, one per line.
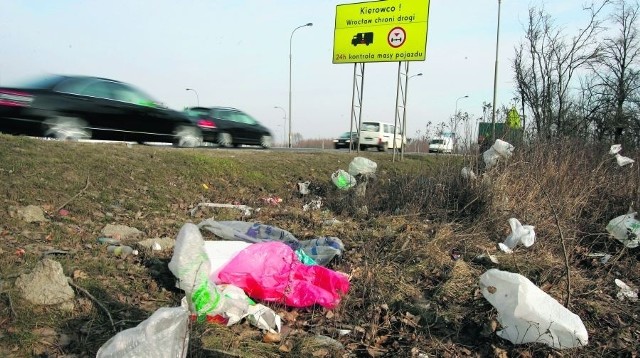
<point>120,231</point>
<point>327,342</point>
<point>29,213</point>
<point>165,243</point>
<point>46,285</point>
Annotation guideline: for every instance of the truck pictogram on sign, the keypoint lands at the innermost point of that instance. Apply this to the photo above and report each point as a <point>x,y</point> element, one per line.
<point>362,38</point>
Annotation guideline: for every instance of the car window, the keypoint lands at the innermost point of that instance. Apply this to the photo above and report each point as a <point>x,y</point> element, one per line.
<point>98,89</point>
<point>197,112</point>
<point>124,93</point>
<point>244,118</point>
<point>43,82</point>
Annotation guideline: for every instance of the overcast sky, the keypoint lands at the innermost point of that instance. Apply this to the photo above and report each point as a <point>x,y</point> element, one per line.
<point>236,53</point>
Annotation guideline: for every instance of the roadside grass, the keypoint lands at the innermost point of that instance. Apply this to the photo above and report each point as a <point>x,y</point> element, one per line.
<point>407,293</point>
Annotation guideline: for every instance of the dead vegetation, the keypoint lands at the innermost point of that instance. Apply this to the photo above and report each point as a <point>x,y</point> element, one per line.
<point>408,295</point>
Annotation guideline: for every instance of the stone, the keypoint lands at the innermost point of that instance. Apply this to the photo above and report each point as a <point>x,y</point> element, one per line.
<point>120,231</point>
<point>29,213</point>
<point>46,285</point>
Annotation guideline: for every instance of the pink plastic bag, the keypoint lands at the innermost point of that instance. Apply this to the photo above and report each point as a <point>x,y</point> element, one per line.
<point>271,271</point>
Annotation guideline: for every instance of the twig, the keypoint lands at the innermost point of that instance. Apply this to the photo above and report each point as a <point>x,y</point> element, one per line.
<point>54,252</point>
<point>13,311</point>
<point>564,248</point>
<point>96,301</point>
<point>75,196</point>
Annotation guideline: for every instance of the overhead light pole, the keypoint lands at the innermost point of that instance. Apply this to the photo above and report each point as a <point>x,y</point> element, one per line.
<point>284,126</point>
<point>290,41</point>
<point>495,78</point>
<point>197,97</point>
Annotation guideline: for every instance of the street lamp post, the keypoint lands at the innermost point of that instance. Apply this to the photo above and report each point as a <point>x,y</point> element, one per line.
<point>495,78</point>
<point>284,126</point>
<point>290,40</point>
<point>197,97</point>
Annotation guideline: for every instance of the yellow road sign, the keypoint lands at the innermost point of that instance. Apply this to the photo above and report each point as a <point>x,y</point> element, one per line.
<point>381,31</point>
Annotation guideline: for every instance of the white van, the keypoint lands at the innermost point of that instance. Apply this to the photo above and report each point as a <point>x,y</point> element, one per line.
<point>441,144</point>
<point>379,135</point>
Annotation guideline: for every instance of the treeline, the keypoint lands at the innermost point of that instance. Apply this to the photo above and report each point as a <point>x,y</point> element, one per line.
<point>583,84</point>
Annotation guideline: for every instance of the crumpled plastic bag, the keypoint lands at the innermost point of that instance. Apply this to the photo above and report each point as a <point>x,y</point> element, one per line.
<point>271,271</point>
<point>615,149</point>
<point>499,149</point>
<point>625,228</point>
<point>468,174</point>
<point>165,334</point>
<point>626,291</point>
<point>520,234</point>
<point>622,160</point>
<point>321,249</point>
<point>343,180</point>
<point>528,314</point>
<point>362,166</point>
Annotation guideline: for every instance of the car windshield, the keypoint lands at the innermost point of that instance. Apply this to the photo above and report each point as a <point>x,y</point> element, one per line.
<point>196,112</point>
<point>437,141</point>
<point>371,126</point>
<point>345,135</point>
<point>41,82</point>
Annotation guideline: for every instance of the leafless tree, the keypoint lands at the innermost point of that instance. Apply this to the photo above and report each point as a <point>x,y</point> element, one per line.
<point>617,74</point>
<point>545,67</point>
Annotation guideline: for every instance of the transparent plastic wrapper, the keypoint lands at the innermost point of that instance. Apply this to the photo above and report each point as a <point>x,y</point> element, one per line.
<point>520,234</point>
<point>271,271</point>
<point>321,249</point>
<point>165,334</point>
<point>625,228</point>
<point>362,166</point>
<point>190,265</point>
<point>527,314</point>
<point>343,180</point>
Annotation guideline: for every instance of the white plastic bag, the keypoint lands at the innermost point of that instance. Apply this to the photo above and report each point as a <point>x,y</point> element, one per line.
<point>528,314</point>
<point>163,335</point>
<point>362,166</point>
<point>520,234</point>
<point>622,160</point>
<point>615,149</point>
<point>468,174</point>
<point>303,187</point>
<point>625,228</point>
<point>503,148</point>
<point>343,180</point>
<point>499,149</point>
<point>626,292</point>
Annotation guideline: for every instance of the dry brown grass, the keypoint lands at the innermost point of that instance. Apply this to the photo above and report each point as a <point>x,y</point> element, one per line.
<point>407,293</point>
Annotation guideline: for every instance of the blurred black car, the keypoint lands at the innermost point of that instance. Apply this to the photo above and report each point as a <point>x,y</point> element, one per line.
<point>345,139</point>
<point>83,107</point>
<point>228,127</point>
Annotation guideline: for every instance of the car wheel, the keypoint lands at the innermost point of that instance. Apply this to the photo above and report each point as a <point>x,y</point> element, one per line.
<point>362,148</point>
<point>187,137</point>
<point>382,148</point>
<point>66,128</point>
<point>225,140</point>
<point>266,141</point>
